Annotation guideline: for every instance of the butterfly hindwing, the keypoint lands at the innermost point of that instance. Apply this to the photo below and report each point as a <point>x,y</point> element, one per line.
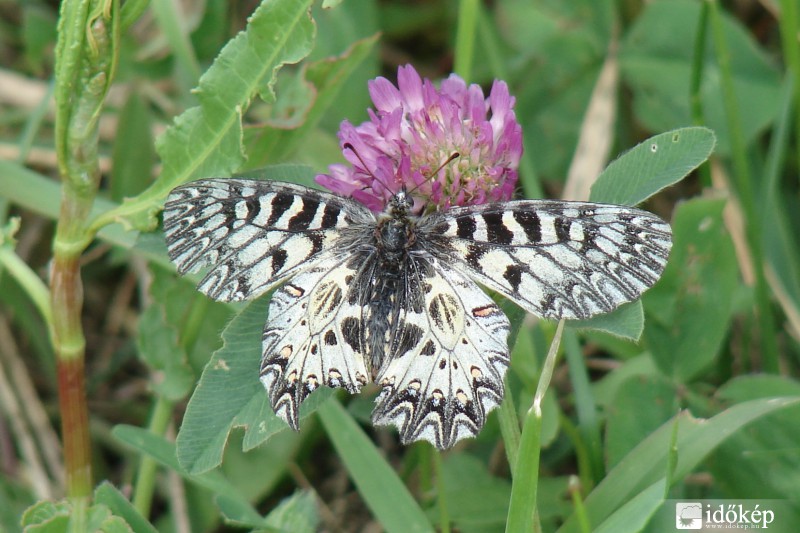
<point>561,260</point>
<point>310,339</point>
<point>253,234</point>
<point>440,388</point>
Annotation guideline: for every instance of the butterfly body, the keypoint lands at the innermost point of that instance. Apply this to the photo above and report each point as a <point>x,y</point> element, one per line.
<point>392,298</point>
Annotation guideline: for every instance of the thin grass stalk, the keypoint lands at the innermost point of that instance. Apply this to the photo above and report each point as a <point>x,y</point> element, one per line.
<point>790,26</point>
<point>696,81</point>
<point>525,482</point>
<point>746,193</point>
<point>465,37</point>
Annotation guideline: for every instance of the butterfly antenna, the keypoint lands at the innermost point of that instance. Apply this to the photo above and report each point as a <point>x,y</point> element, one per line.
<point>429,177</point>
<point>348,146</point>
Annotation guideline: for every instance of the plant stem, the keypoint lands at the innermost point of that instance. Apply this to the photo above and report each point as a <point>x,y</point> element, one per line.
<point>85,57</point>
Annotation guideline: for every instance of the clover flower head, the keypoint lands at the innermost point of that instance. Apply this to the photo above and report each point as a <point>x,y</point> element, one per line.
<point>415,130</point>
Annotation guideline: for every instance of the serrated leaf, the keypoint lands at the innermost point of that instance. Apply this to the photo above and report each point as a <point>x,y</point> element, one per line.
<point>652,165</point>
<point>323,80</point>
<point>207,140</point>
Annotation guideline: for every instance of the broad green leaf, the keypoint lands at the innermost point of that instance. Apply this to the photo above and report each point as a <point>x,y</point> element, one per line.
<point>652,165</point>
<point>640,406</point>
<point>626,321</point>
<point>207,140</point>
<point>109,496</point>
<point>656,63</point>
<point>158,346</point>
<point>298,513</point>
<point>163,452</point>
<point>689,308</point>
<point>647,463</point>
<point>375,479</point>
<point>474,498</point>
<point>230,395</point>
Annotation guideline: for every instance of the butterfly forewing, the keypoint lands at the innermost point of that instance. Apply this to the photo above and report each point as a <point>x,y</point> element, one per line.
<point>393,298</point>
<point>562,260</point>
<point>253,234</point>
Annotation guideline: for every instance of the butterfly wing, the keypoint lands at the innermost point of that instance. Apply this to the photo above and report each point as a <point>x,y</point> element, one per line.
<point>254,234</point>
<point>446,360</point>
<point>312,338</point>
<point>569,260</point>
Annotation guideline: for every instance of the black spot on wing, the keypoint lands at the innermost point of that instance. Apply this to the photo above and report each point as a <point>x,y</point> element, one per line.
<point>330,338</point>
<point>496,230</point>
<point>409,337</point>
<point>465,227</point>
<point>352,333</point>
<point>474,253</point>
<point>280,204</point>
<point>429,348</point>
<point>530,223</point>
<point>253,208</point>
<point>278,260</point>
<point>302,219</point>
<point>330,216</point>
<point>562,226</point>
<point>513,275</point>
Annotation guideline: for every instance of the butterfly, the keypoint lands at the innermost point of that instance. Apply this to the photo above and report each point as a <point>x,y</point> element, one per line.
<point>393,297</point>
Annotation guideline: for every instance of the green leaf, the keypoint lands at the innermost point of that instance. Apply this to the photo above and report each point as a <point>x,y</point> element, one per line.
<point>158,346</point>
<point>656,63</point>
<point>691,305</point>
<point>647,463</point>
<point>652,165</point>
<point>375,479</point>
<point>163,452</point>
<point>133,156</point>
<point>761,461</point>
<point>230,395</point>
<point>319,84</point>
<point>109,496</point>
<point>207,140</point>
<point>475,499</point>
<point>298,513</point>
<point>626,321</point>
<point>640,405</point>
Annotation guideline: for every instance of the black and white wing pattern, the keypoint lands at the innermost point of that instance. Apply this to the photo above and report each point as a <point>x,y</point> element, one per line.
<point>559,260</point>
<point>440,387</point>
<point>394,299</point>
<point>253,234</point>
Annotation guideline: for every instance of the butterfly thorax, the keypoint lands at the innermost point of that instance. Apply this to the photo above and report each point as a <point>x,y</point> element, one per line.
<point>388,267</point>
